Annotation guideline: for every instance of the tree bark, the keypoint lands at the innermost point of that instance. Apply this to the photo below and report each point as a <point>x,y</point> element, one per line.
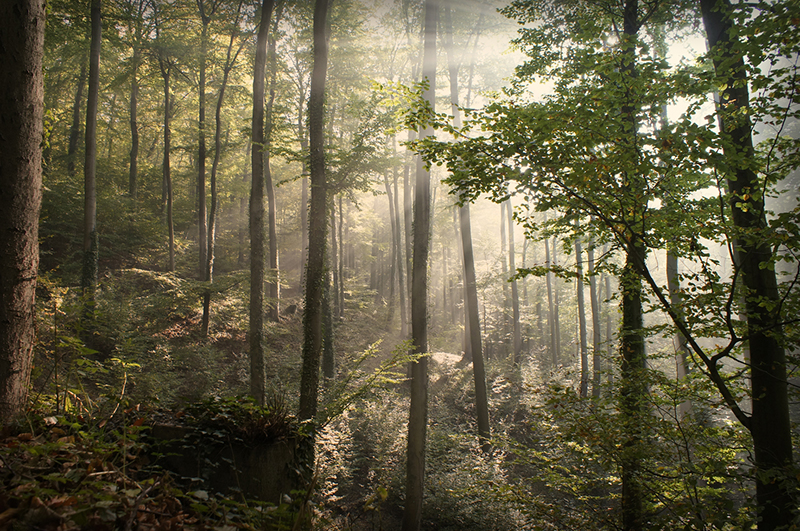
<point>633,387</point>
<point>770,424</point>
<point>166,71</point>
<point>257,362</point>
<point>273,284</point>
<point>512,267</point>
<point>315,269</point>
<point>22,25</point>
<point>90,243</point>
<point>596,333</point>
<point>418,414</point>
<point>551,310</point>
<point>75,128</point>
<point>133,171</point>
<point>212,212</point>
<point>584,348</point>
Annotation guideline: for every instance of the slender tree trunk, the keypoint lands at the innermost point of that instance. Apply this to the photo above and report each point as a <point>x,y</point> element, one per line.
<point>551,311</point>
<point>315,270</point>
<point>418,414</point>
<point>303,198</point>
<point>770,424</point>
<point>212,212</point>
<point>201,141</point>
<point>166,71</point>
<point>395,246</point>
<point>397,235</point>
<point>334,259</point>
<point>408,194</point>
<point>133,173</point>
<point>273,284</point>
<point>556,321</point>
<point>584,348</point>
<point>506,318</point>
<point>515,318</point>
<point>22,24</point>
<point>90,243</point>
<point>609,322</point>
<point>75,128</point>
<point>340,294</point>
<point>258,375</point>
<point>596,334</point>
<point>328,355</point>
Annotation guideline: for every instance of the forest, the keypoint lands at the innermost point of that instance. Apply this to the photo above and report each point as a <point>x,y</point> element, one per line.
<point>399,265</point>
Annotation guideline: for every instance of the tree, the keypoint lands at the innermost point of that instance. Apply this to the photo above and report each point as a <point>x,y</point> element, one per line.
<point>273,285</point>
<point>206,14</point>
<point>317,222</point>
<point>230,61</point>
<point>90,240</point>
<point>257,362</point>
<point>559,156</point>
<point>769,422</point>
<point>22,24</point>
<point>472,318</point>
<point>418,414</point>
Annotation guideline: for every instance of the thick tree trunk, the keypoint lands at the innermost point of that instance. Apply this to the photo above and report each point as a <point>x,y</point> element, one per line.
<point>770,425</point>
<point>257,362</point>
<point>90,244</point>
<point>418,414</point>
<point>22,24</point>
<point>633,387</point>
<point>315,270</point>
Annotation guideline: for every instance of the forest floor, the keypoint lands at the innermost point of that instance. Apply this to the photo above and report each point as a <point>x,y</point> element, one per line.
<point>80,460</point>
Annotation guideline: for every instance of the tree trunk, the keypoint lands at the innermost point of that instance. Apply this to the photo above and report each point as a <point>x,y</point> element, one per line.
<point>90,243</point>
<point>212,212</point>
<point>75,128</point>
<point>334,259</point>
<point>556,321</point>
<point>133,172</point>
<point>584,348</point>
<point>395,247</point>
<point>506,318</point>
<point>166,71</point>
<point>770,424</point>
<point>340,293</point>
<point>273,284</point>
<point>633,387</point>
<point>22,24</point>
<point>201,141</point>
<point>257,362</point>
<point>596,334</point>
<point>315,270</point>
<point>418,414</point>
<point>397,235</point>
<point>551,311</point>
<point>512,267</point>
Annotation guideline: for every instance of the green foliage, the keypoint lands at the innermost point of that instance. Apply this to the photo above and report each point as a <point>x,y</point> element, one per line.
<point>243,420</point>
